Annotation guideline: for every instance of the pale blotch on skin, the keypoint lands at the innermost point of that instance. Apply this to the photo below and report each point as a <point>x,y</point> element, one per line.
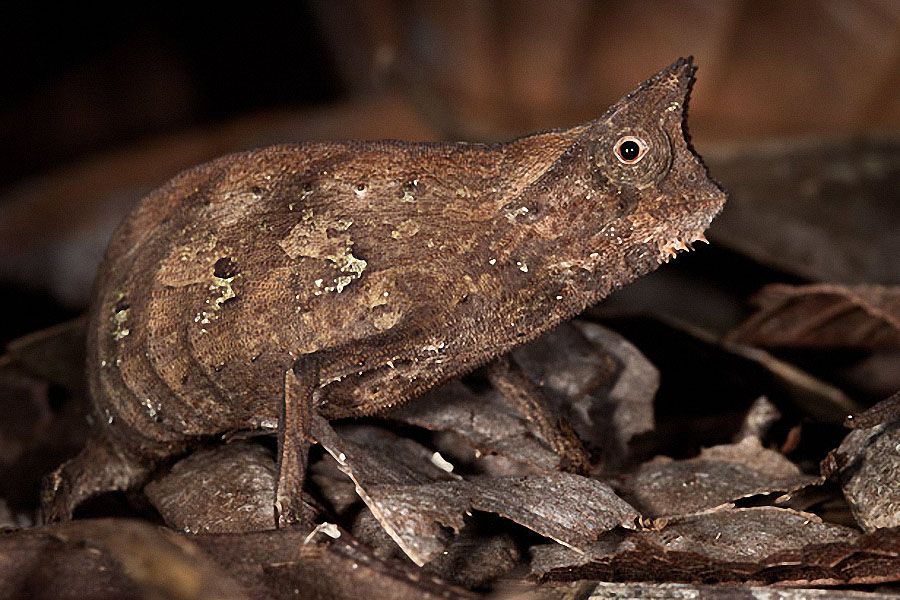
<point>223,291</point>
<point>151,408</point>
<point>386,320</point>
<point>120,325</point>
<point>311,238</point>
<point>514,212</point>
<point>433,352</point>
<point>197,247</point>
<point>405,230</point>
<point>119,318</point>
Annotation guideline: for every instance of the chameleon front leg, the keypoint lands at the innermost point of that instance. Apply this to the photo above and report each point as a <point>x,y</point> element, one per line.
<point>294,439</point>
<point>515,387</point>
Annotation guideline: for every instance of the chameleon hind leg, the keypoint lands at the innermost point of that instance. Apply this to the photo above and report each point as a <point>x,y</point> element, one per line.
<point>98,468</point>
<point>294,440</point>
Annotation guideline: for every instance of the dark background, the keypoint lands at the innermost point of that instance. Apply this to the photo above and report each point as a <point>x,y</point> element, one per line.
<point>99,105</point>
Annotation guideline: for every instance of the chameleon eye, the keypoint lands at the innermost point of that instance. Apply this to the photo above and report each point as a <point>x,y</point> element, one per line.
<point>630,149</point>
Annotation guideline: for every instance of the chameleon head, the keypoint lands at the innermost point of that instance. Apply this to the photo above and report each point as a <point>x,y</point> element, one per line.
<point>659,195</point>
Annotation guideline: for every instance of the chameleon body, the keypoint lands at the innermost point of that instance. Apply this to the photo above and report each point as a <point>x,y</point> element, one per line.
<point>394,265</point>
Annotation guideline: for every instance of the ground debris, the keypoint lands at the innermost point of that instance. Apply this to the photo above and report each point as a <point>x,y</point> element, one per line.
<point>867,465</point>
<point>227,489</point>
<point>720,475</point>
<point>414,509</point>
<point>683,591</point>
<point>754,545</point>
<point>109,558</point>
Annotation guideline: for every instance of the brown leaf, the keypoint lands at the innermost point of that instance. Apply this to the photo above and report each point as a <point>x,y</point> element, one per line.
<point>224,489</point>
<point>570,509</point>
<point>753,545</point>
<point>44,403</point>
<point>598,380</point>
<point>720,475</point>
<point>592,376</point>
<point>824,316</point>
<point>55,354</point>
<point>479,428</point>
<point>338,491</point>
<point>474,559</point>
<point>115,558</point>
<point>824,209</point>
<point>560,61</point>
<point>41,426</point>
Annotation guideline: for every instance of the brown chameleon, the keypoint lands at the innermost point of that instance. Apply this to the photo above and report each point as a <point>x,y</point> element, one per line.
<point>349,277</point>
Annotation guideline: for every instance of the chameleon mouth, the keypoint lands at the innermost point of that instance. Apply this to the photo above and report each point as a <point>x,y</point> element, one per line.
<point>670,249</point>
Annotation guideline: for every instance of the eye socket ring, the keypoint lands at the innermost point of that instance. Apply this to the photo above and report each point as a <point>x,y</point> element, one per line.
<point>629,150</point>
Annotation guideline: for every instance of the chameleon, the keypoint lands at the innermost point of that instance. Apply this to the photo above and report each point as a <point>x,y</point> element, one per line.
<point>345,278</point>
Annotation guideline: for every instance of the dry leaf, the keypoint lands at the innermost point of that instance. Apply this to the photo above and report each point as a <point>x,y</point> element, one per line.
<point>286,564</point>
<point>824,316</point>
<point>598,380</point>
<point>823,208</point>
<point>223,489</point>
<point>720,475</point>
<point>753,545</point>
<point>867,463</point>
<point>570,509</point>
<point>480,429</point>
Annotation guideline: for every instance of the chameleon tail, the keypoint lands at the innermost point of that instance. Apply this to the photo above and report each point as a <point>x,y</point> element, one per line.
<point>96,469</point>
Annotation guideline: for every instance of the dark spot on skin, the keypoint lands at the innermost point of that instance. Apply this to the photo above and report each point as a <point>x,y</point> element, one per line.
<point>256,190</point>
<point>225,268</point>
<point>409,188</point>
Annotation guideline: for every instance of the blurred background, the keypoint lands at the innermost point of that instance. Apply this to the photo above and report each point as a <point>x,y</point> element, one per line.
<point>795,109</point>
<point>796,112</point>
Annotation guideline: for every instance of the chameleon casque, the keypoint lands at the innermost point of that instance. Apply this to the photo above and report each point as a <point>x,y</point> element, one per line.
<point>349,277</point>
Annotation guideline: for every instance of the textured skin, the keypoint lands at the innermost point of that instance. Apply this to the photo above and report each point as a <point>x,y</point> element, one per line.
<point>395,265</point>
